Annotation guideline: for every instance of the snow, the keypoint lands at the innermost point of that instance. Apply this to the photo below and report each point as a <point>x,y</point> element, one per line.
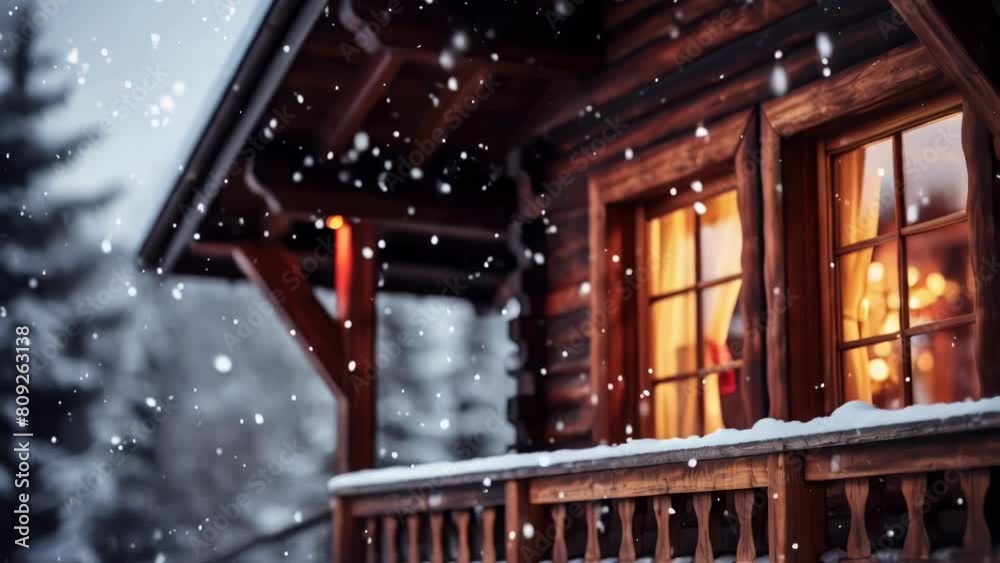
<point>855,415</point>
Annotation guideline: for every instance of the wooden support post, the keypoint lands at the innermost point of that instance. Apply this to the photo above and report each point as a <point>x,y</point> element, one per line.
<point>489,553</point>
<point>371,540</point>
<point>593,551</point>
<point>437,543</point>
<point>976,543</point>
<point>413,538</point>
<point>355,285</point>
<point>347,542</point>
<point>461,519</point>
<point>796,512</point>
<point>859,547</point>
<point>519,512</point>
<point>279,275</point>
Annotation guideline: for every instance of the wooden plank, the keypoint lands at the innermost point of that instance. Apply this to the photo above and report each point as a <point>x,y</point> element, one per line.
<point>420,500</point>
<point>347,116</point>
<point>599,303</point>
<point>853,91</point>
<point>945,45</point>
<point>971,450</point>
<point>716,475</point>
<point>675,160</point>
<point>659,22</point>
<point>983,213</point>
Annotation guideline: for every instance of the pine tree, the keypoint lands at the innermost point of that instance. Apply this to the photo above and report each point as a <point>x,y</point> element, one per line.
<point>47,273</point>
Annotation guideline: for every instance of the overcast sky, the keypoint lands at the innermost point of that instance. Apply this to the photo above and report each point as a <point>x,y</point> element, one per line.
<point>154,71</point>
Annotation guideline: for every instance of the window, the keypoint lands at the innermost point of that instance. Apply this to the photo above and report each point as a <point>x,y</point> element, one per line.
<point>900,265</point>
<point>691,246</point>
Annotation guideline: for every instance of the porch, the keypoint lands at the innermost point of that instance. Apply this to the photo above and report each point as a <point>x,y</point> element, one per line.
<point>858,485</point>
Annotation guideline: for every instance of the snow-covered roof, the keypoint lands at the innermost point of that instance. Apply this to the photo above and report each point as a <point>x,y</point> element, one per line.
<point>854,422</point>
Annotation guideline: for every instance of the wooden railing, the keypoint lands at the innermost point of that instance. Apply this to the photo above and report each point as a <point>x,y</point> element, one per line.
<point>746,500</point>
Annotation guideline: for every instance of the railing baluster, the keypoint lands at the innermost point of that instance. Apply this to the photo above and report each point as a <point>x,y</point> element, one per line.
<point>461,519</point>
<point>626,510</point>
<point>371,532</point>
<point>593,552</point>
<point>977,540</point>
<point>559,552</point>
<point>437,547</point>
<point>746,551</point>
<point>391,525</point>
<point>917,546</point>
<point>702,509</point>
<point>858,544</point>
<point>413,538</point>
<point>661,509</point>
<point>489,554</point>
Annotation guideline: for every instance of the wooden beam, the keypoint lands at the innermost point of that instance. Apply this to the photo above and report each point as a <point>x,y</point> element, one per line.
<point>713,475</point>
<point>434,124</point>
<point>796,512</point>
<point>860,88</point>
<point>947,453</point>
<point>279,275</point>
<point>945,45</point>
<point>775,285</point>
<point>345,118</point>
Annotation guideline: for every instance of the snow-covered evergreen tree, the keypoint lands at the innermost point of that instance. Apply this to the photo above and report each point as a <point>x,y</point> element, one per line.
<point>68,291</point>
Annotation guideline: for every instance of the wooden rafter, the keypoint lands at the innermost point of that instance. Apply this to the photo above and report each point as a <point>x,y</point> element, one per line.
<point>944,42</point>
<point>434,123</point>
<point>347,117</point>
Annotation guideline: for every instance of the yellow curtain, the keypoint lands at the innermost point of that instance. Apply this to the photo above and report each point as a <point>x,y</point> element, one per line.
<point>722,245</point>
<point>859,191</point>
<point>670,260</point>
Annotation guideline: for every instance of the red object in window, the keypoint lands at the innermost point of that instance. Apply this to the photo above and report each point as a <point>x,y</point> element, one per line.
<point>718,355</point>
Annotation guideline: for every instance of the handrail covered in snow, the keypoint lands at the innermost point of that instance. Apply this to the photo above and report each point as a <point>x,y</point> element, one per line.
<point>702,495</point>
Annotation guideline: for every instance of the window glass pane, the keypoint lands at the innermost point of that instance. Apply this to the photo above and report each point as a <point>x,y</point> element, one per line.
<point>943,365</point>
<point>935,181</point>
<point>670,251</point>
<point>872,374</point>
<point>864,192</point>
<point>869,291</point>
<point>722,324</point>
<point>721,237</point>
<point>674,342</point>
<point>678,408</point>
<point>939,272</point>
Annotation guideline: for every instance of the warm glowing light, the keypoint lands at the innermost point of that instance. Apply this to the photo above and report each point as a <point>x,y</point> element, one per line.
<point>921,298</point>
<point>912,275</point>
<point>891,324</point>
<point>334,222</point>
<point>936,284</point>
<point>878,370</point>
<point>876,272</point>
<point>882,349</point>
<point>925,361</point>
<point>893,301</point>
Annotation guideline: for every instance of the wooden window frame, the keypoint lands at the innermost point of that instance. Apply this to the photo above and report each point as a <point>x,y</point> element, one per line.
<point>890,127</point>
<point>899,78</point>
<point>615,206</point>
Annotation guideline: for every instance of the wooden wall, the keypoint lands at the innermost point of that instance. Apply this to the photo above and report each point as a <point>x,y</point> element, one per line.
<point>669,69</point>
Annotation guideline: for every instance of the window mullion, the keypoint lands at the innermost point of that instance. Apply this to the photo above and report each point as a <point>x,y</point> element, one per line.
<point>904,278</point>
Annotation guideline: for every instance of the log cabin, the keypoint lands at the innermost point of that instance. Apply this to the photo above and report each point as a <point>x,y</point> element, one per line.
<point>752,245</point>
